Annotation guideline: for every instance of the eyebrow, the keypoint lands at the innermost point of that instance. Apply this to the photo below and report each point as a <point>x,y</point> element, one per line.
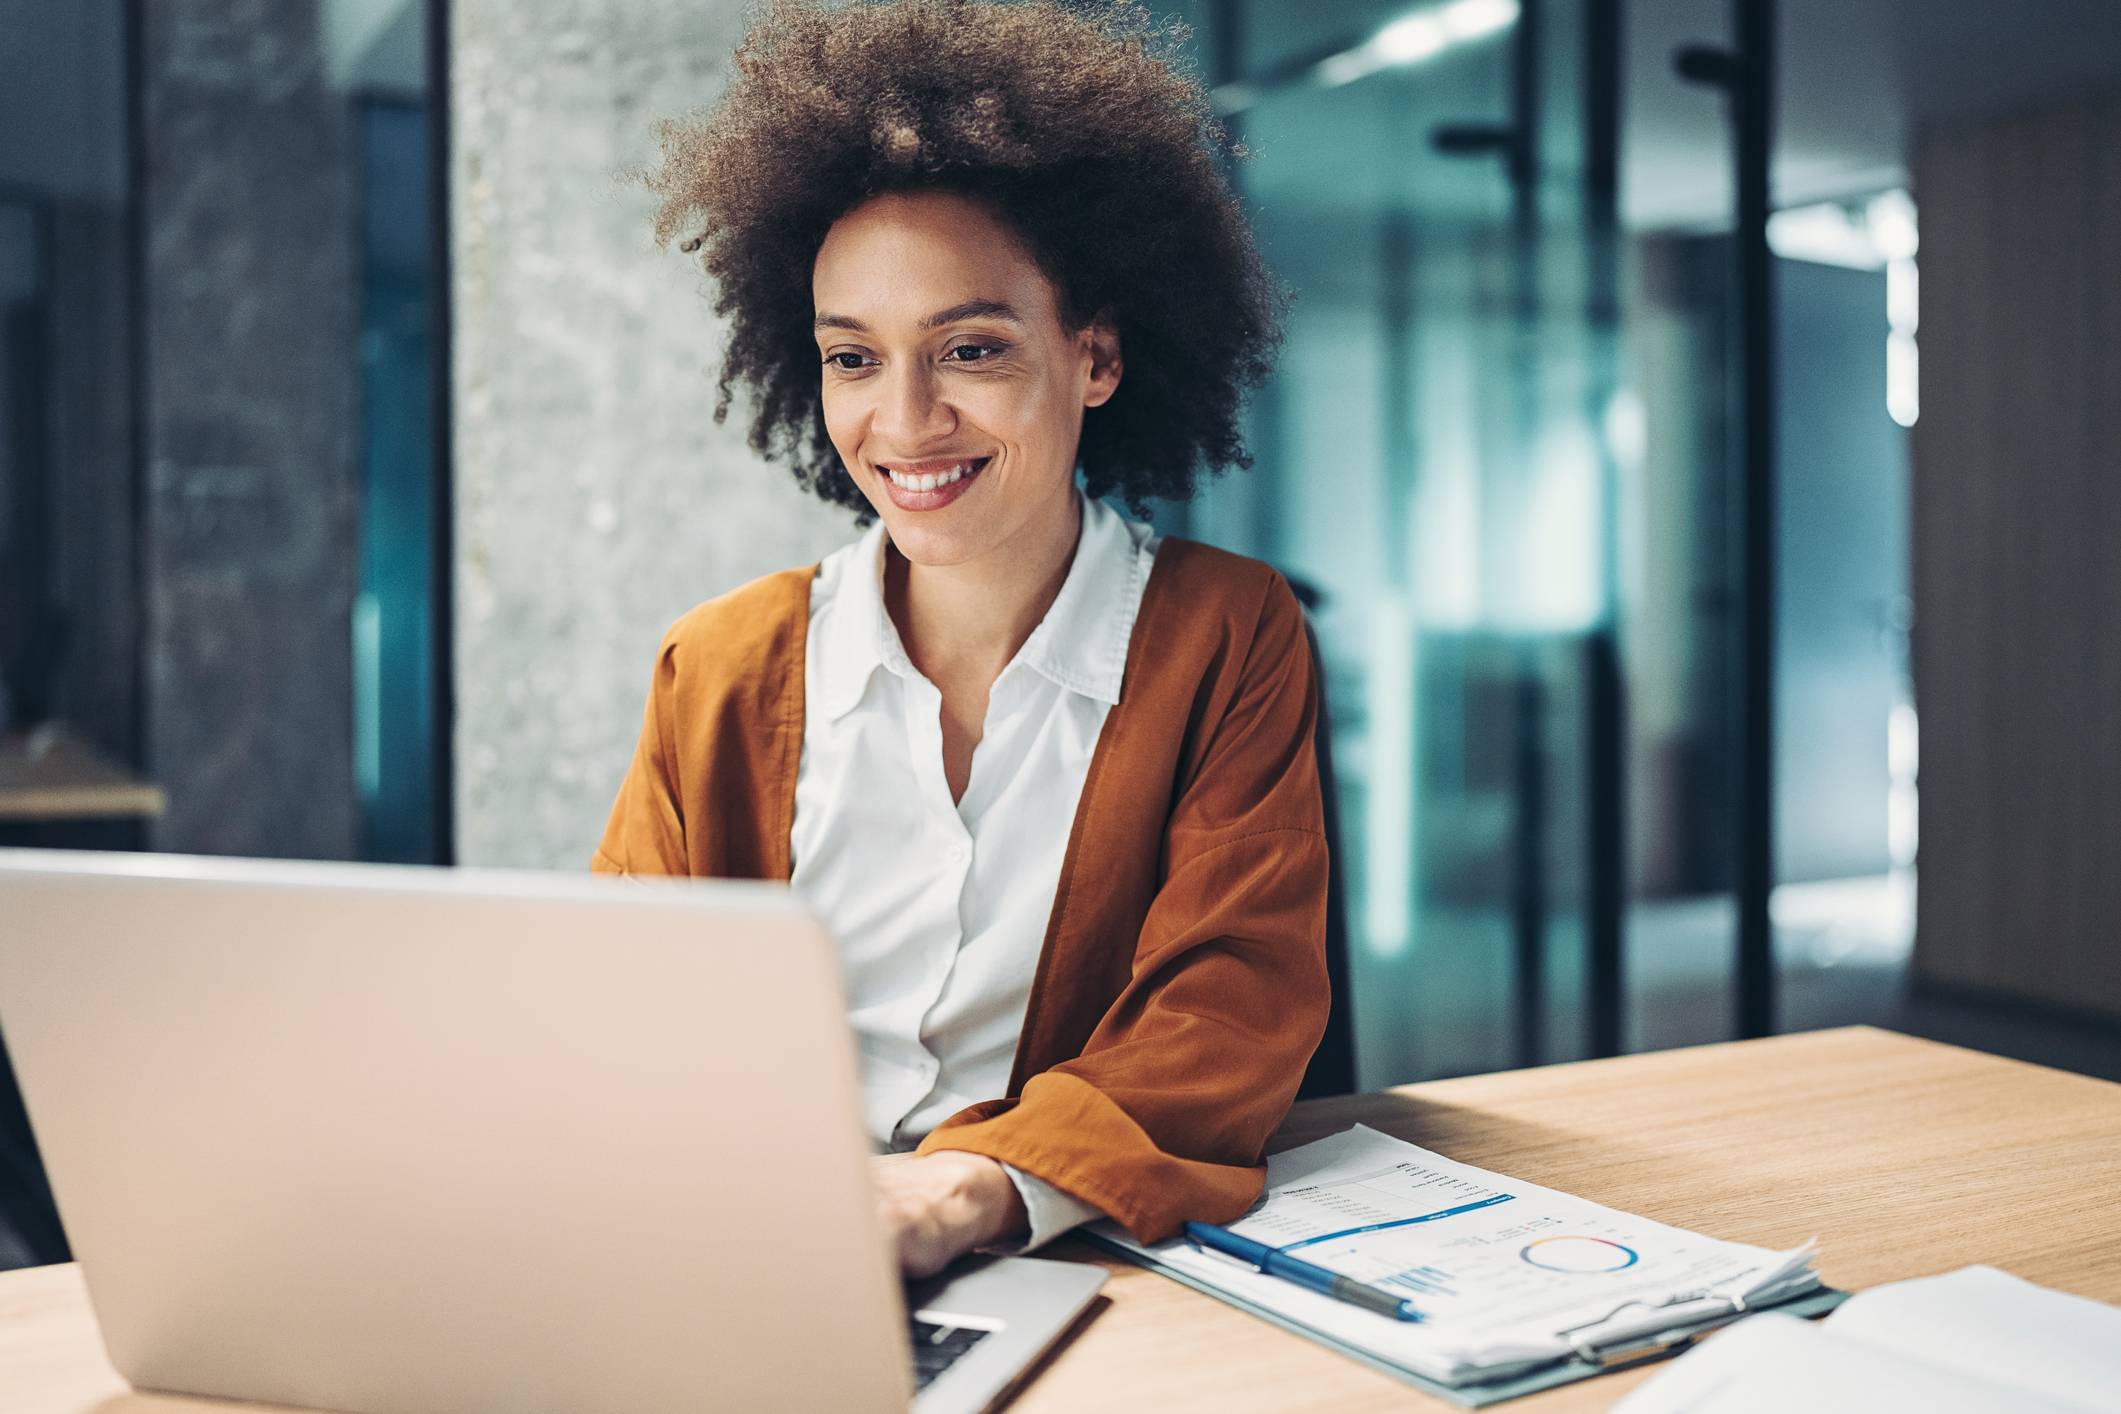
<point>973,309</point>
<point>970,309</point>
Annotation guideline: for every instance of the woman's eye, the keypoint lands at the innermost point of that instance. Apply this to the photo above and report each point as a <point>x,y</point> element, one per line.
<point>848,361</point>
<point>972,353</point>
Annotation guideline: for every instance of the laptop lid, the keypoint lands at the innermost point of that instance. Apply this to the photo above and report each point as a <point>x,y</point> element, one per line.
<point>394,1140</point>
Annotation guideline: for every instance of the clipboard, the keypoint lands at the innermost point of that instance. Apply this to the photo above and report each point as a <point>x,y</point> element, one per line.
<point>1637,1347</point>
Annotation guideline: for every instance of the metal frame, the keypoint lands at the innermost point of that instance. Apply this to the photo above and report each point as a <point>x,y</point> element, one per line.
<point>1605,728</point>
<point>136,130</point>
<point>32,518</point>
<point>441,459</point>
<point>1746,74</point>
<point>1754,136</point>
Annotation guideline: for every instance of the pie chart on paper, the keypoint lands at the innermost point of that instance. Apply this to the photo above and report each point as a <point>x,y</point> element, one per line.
<point>1578,1254</point>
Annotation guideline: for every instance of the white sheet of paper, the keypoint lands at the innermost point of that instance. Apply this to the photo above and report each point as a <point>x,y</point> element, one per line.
<point>1508,1273</point>
<point>1770,1364</point>
<point>1990,1324</point>
<point>1972,1341</point>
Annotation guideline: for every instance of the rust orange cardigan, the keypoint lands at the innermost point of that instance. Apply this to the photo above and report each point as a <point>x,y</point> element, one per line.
<point>1182,984</point>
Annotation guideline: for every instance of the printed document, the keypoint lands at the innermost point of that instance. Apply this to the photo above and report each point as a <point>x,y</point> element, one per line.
<point>1508,1275</point>
<point>1977,1341</point>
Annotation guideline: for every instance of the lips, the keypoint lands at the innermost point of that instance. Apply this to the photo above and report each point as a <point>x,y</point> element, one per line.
<point>930,485</point>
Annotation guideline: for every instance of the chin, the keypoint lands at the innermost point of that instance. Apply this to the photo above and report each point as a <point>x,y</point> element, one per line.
<point>932,546</point>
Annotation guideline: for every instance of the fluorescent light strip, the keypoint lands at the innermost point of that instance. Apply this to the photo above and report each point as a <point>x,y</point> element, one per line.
<point>1414,38</point>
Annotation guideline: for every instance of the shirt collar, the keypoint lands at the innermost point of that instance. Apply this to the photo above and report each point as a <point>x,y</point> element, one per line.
<point>859,634</point>
<point>1081,644</point>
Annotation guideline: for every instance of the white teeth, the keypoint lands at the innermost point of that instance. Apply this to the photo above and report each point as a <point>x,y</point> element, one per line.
<point>927,482</point>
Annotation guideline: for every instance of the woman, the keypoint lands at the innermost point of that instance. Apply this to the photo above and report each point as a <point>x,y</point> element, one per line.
<point>1047,779</point>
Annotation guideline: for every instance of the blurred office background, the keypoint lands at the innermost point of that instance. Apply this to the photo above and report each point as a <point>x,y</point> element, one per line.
<point>356,448</point>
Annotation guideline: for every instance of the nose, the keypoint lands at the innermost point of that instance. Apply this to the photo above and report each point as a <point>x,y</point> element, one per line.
<point>911,410</point>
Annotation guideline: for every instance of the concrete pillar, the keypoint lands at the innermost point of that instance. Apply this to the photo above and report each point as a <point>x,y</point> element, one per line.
<point>250,499</point>
<point>596,500</point>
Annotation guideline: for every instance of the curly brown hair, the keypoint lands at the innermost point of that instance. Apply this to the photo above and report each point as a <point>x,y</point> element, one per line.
<point>1078,125</point>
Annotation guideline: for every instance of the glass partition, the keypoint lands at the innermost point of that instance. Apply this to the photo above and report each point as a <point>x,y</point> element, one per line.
<point>1435,462</point>
<point>1499,448</point>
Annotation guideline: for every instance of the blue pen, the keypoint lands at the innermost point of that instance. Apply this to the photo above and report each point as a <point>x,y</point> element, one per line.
<point>1261,1257</point>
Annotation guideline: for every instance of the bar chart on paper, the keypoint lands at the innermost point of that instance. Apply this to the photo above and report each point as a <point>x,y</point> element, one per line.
<point>1464,1250</point>
<point>1512,1281</point>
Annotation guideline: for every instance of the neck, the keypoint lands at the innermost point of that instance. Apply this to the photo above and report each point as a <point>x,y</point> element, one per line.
<point>973,617</point>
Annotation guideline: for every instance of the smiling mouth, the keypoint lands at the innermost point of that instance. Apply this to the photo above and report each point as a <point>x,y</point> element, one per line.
<point>933,477</point>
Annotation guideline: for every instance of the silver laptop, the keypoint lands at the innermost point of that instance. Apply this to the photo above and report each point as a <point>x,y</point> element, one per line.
<point>419,1141</point>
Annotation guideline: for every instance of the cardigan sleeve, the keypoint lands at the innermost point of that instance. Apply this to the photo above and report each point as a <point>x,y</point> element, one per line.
<point>1164,1114</point>
<point>646,831</point>
<point>711,791</point>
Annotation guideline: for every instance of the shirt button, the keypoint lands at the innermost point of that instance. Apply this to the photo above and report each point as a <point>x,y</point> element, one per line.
<point>957,854</point>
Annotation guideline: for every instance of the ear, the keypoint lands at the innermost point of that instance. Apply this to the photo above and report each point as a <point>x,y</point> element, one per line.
<point>1102,338</point>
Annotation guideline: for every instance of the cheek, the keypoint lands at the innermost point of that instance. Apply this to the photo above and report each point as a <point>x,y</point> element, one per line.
<point>1028,411</point>
<point>843,420</point>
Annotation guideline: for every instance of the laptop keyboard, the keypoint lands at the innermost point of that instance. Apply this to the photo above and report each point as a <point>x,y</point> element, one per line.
<point>936,1347</point>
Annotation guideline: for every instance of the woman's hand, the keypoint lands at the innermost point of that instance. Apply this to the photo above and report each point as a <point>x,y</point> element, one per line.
<point>937,1207</point>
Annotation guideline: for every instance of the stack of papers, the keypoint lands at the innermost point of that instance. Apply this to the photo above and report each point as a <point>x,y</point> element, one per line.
<point>1978,1341</point>
<point>1512,1279</point>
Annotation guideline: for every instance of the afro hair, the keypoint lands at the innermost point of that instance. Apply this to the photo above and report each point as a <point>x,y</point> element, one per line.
<point>1077,124</point>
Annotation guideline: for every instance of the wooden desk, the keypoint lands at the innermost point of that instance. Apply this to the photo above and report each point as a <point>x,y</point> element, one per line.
<point>1904,1157</point>
<point>49,773</point>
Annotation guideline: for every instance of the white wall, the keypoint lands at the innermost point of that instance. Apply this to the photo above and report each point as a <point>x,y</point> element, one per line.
<point>596,499</point>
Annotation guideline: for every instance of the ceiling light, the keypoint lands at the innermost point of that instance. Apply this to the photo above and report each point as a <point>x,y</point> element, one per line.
<point>1417,37</point>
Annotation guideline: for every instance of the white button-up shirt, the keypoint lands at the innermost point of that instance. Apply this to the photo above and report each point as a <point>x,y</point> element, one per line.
<point>940,907</point>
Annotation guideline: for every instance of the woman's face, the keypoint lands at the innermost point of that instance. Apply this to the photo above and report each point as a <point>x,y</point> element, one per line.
<point>952,389</point>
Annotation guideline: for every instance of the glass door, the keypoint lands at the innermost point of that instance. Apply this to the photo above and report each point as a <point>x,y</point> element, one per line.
<point>1436,469</point>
